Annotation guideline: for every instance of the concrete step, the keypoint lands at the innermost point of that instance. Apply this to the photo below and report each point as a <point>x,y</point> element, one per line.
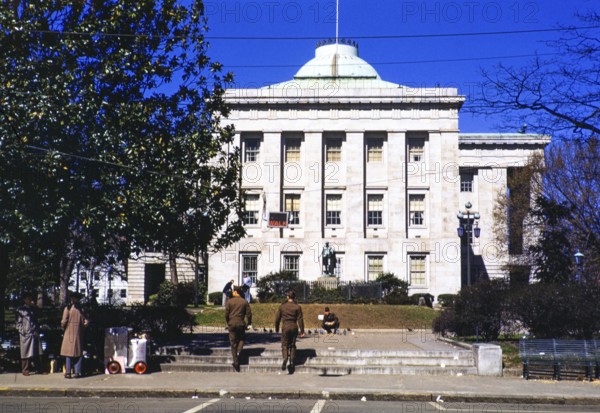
<point>368,361</point>
<point>324,370</point>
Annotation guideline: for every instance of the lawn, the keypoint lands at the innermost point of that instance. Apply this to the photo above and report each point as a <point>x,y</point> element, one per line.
<point>352,316</point>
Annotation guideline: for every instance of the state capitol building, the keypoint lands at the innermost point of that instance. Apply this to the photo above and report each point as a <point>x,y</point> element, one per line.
<point>376,169</point>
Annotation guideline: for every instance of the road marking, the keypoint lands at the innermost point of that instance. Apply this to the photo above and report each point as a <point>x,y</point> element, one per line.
<point>437,406</point>
<point>318,406</point>
<point>201,406</point>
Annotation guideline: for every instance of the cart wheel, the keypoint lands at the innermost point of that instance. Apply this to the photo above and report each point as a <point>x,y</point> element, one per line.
<point>140,367</point>
<point>113,367</point>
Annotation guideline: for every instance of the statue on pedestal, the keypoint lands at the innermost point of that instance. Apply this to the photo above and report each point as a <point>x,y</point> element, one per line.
<point>329,260</point>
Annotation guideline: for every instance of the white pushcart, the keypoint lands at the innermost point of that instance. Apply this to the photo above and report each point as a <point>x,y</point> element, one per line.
<point>121,352</point>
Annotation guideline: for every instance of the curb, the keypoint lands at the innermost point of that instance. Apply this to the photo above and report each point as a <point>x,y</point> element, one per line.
<point>449,397</point>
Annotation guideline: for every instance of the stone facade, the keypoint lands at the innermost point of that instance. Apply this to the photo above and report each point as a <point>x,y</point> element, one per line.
<point>376,169</point>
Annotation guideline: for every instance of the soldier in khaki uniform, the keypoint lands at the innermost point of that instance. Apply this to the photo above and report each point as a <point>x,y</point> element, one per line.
<point>236,310</point>
<point>290,314</point>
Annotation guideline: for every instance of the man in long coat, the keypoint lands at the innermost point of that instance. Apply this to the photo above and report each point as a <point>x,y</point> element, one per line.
<point>290,316</point>
<point>237,309</point>
<point>29,335</point>
<point>73,324</point>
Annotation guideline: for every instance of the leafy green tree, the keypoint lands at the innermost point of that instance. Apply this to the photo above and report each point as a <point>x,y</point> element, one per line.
<point>552,261</point>
<point>111,135</point>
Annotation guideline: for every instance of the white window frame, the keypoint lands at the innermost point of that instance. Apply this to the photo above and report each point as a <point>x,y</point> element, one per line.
<point>293,212</point>
<point>293,150</point>
<point>285,263</point>
<point>375,150</point>
<point>467,179</point>
<point>333,149</point>
<point>247,258</point>
<point>416,149</point>
<point>248,219</point>
<point>420,269</point>
<point>329,214</point>
<point>381,202</point>
<point>369,271</point>
<point>252,149</point>
<point>416,217</point>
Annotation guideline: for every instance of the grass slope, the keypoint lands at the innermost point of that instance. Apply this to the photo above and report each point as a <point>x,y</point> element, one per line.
<point>353,316</point>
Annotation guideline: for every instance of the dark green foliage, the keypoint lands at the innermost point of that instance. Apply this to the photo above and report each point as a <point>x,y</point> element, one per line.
<point>552,254</point>
<point>180,295</point>
<point>215,298</point>
<point>558,311</point>
<point>446,300</point>
<point>320,294</point>
<point>479,310</point>
<point>273,286</point>
<point>159,322</point>
<point>394,291</point>
<point>390,283</point>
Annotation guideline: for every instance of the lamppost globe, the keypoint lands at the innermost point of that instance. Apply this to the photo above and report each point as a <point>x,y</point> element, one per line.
<point>579,257</point>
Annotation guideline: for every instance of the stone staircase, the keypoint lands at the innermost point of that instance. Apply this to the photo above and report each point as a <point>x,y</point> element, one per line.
<point>334,362</point>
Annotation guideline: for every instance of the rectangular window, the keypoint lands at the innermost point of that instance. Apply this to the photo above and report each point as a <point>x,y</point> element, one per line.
<point>416,209</point>
<point>251,150</point>
<point>252,209</point>
<point>417,270</point>
<point>250,267</point>
<point>96,275</point>
<point>416,150</point>
<point>291,263</point>
<point>374,267</point>
<point>466,180</point>
<point>292,150</point>
<point>83,276</point>
<point>374,150</point>
<point>339,266</point>
<point>333,150</point>
<point>123,293</point>
<point>292,206</point>
<point>375,210</point>
<point>333,211</point>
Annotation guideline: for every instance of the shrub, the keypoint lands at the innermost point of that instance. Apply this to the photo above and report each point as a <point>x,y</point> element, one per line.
<point>159,322</point>
<point>416,298</point>
<point>394,291</point>
<point>180,295</point>
<point>446,300</point>
<point>216,298</point>
<point>322,295</point>
<point>558,311</point>
<point>478,310</point>
<point>273,286</point>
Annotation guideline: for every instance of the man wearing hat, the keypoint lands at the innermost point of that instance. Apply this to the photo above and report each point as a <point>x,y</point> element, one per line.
<point>290,315</point>
<point>330,321</point>
<point>29,335</point>
<point>237,309</point>
<point>73,324</point>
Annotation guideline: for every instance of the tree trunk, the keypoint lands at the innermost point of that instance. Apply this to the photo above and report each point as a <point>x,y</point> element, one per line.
<point>66,268</point>
<point>173,268</point>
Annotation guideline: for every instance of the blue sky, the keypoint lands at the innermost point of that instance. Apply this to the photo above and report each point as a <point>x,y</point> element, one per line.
<point>267,41</point>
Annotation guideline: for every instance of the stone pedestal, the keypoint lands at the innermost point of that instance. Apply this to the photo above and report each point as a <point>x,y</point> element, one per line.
<point>328,282</point>
<point>489,359</point>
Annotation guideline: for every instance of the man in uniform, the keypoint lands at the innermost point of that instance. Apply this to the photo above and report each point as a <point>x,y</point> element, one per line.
<point>290,315</point>
<point>330,321</point>
<point>236,310</point>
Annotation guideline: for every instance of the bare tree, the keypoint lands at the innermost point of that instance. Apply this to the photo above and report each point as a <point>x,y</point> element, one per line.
<point>559,96</point>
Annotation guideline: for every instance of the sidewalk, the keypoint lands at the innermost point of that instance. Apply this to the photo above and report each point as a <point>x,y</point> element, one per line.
<point>281,385</point>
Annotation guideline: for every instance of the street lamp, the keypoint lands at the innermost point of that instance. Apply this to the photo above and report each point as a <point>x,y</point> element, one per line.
<point>466,220</point>
<point>578,263</point>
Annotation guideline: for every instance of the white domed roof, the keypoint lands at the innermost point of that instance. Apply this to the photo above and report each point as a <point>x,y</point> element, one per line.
<point>337,61</point>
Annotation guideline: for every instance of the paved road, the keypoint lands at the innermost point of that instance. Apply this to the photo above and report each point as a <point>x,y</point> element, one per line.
<point>233,405</point>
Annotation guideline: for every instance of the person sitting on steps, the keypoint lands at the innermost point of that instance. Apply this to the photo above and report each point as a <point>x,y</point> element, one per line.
<point>330,322</point>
